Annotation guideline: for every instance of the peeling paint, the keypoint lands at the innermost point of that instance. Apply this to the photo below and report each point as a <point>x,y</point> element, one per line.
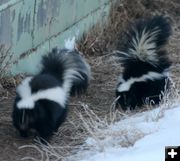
<point>41,14</point>
<point>4,4</point>
<point>46,10</point>
<point>4,1</point>
<point>5,27</point>
<point>23,24</point>
<point>13,15</point>
<point>28,24</point>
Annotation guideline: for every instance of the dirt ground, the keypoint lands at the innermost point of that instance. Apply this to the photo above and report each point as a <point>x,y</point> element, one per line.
<point>105,70</point>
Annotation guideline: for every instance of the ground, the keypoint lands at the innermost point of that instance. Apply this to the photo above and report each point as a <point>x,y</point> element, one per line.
<point>105,70</point>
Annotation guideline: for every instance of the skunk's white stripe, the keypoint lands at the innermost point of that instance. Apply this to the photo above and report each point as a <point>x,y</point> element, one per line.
<point>24,89</point>
<point>120,79</point>
<point>56,94</point>
<point>125,86</point>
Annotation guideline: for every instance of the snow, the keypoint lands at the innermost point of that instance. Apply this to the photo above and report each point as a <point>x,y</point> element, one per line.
<point>149,132</point>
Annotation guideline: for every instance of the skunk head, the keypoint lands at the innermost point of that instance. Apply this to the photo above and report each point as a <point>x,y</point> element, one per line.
<point>136,91</point>
<point>126,99</point>
<point>24,119</point>
<point>39,103</point>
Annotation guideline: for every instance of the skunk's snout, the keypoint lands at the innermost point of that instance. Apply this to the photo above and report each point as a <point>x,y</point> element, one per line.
<point>123,100</point>
<point>23,120</point>
<point>126,100</point>
<point>24,126</point>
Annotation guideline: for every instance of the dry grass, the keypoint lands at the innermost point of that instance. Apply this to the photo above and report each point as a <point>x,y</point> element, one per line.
<point>98,41</point>
<point>100,131</point>
<point>103,38</point>
<point>5,62</point>
<point>83,123</point>
<point>7,83</point>
<point>170,99</point>
<point>5,59</point>
<point>95,113</point>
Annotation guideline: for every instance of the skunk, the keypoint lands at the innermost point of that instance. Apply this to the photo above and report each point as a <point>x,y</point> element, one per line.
<point>41,101</point>
<point>145,63</point>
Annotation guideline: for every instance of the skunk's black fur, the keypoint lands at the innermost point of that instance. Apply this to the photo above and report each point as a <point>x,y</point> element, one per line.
<point>41,101</point>
<point>60,61</point>
<point>145,63</point>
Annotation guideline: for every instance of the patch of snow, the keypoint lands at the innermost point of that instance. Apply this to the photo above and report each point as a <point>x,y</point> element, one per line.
<point>154,135</point>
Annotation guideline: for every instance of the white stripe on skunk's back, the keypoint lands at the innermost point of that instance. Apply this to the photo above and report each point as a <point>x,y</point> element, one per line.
<point>126,85</point>
<point>56,94</point>
<point>27,101</point>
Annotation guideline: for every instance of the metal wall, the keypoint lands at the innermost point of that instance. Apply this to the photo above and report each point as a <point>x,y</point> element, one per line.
<point>32,27</point>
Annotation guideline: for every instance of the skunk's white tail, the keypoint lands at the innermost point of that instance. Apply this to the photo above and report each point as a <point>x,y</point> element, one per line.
<point>145,40</point>
<point>70,43</point>
<point>69,68</point>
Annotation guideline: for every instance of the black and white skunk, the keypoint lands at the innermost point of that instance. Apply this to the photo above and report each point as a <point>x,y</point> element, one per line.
<point>41,101</point>
<point>145,63</point>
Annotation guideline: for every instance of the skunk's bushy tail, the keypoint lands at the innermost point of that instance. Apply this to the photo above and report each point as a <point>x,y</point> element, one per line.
<point>145,41</point>
<point>69,68</point>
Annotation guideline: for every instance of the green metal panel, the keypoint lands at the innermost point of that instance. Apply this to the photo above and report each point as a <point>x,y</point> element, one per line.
<point>55,16</point>
<point>16,25</point>
<point>34,27</point>
<point>22,26</point>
